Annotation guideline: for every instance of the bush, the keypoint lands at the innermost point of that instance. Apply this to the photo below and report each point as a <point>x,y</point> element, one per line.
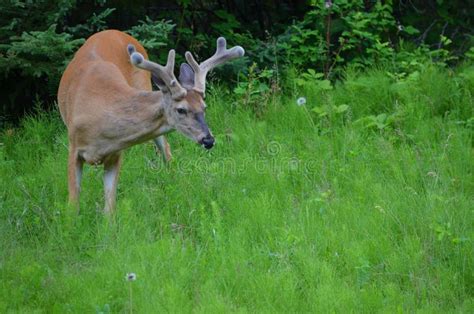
<point>37,39</point>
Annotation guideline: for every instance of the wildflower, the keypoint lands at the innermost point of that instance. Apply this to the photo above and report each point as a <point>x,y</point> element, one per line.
<point>301,101</point>
<point>131,277</point>
<point>380,209</point>
<point>328,4</point>
<point>400,27</point>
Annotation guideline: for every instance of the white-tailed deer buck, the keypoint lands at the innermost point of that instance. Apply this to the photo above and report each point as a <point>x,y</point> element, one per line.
<point>107,103</point>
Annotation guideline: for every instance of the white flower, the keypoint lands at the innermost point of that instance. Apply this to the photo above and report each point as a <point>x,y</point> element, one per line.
<point>432,174</point>
<point>400,27</point>
<point>301,101</point>
<point>327,4</point>
<point>131,277</point>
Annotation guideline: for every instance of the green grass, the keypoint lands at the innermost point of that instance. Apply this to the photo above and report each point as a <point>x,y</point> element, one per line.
<point>289,212</point>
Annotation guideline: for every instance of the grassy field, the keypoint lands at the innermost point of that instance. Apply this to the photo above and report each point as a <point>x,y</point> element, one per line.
<point>363,205</point>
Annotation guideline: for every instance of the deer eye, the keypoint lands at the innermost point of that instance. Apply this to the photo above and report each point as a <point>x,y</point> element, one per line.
<point>182,111</point>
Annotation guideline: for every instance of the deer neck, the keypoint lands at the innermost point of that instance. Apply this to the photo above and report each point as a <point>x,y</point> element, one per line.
<point>141,117</point>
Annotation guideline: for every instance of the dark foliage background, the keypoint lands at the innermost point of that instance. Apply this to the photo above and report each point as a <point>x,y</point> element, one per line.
<point>316,38</point>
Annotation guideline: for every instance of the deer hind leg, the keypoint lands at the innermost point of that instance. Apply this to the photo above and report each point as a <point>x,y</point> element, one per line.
<point>111,173</point>
<point>75,164</point>
<point>163,147</point>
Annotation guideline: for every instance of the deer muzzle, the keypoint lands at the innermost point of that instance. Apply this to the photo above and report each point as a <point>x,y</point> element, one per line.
<point>207,141</point>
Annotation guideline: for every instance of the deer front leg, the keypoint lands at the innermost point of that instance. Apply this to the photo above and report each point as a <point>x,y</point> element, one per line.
<point>74,171</point>
<point>164,148</point>
<point>111,173</point>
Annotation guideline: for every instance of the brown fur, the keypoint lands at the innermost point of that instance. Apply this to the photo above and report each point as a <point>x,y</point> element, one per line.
<point>194,98</point>
<point>107,105</point>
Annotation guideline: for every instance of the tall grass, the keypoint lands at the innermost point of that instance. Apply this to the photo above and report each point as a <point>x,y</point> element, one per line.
<point>289,212</point>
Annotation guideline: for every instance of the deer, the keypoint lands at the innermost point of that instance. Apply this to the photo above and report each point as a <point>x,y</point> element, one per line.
<point>106,101</point>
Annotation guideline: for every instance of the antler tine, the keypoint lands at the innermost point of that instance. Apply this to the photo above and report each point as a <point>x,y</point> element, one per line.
<point>220,56</point>
<point>166,73</point>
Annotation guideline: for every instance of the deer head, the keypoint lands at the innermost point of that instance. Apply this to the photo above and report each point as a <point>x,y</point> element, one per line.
<point>184,105</point>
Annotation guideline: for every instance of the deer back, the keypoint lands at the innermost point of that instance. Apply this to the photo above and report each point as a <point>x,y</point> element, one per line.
<point>100,69</point>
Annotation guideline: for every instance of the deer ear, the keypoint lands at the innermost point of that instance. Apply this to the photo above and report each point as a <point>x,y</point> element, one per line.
<point>186,76</point>
<point>159,82</point>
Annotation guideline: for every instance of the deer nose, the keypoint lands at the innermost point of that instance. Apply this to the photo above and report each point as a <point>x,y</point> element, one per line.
<point>208,141</point>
